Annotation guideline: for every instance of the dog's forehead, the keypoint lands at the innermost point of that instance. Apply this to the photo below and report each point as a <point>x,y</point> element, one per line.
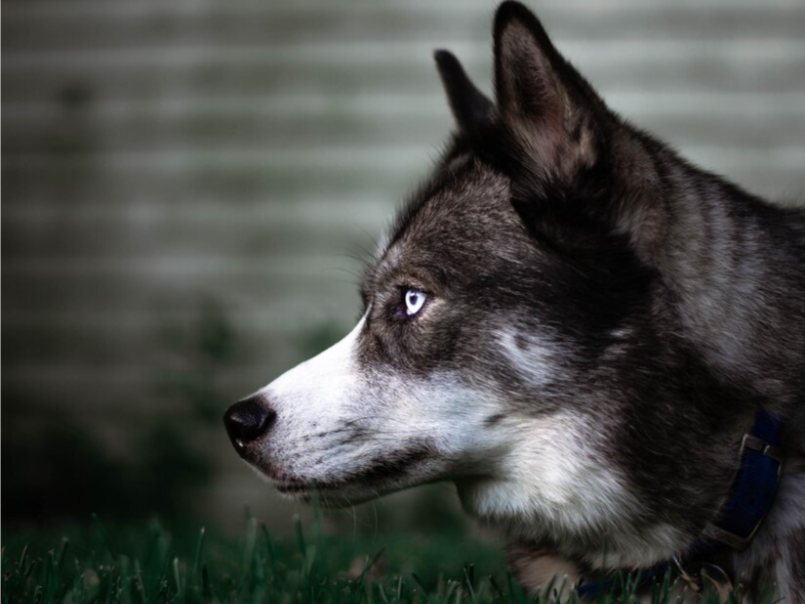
<point>462,213</point>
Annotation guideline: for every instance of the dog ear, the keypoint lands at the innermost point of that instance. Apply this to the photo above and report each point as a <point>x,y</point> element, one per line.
<point>469,105</point>
<point>569,146</point>
<point>546,105</point>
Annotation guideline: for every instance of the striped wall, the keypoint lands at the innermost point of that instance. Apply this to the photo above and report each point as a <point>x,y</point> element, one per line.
<point>155,154</point>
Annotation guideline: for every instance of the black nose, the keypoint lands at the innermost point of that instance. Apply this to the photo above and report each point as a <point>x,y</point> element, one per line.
<point>248,420</point>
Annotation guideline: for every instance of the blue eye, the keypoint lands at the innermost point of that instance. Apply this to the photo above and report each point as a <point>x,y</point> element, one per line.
<point>414,301</point>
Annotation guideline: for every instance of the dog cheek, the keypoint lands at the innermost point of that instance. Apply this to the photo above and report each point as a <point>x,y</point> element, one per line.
<point>457,416</point>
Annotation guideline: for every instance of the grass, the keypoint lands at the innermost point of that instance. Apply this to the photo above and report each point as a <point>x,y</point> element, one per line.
<point>152,565</point>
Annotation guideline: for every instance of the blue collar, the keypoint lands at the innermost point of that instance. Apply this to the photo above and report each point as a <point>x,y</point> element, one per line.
<point>751,498</point>
<point>755,486</point>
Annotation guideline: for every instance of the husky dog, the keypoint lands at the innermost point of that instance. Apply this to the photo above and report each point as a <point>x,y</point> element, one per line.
<point>572,324</point>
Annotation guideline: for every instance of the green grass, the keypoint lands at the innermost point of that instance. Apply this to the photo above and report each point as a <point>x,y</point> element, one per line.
<point>153,565</point>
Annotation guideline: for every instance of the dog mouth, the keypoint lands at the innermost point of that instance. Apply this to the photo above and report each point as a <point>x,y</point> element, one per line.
<point>381,475</point>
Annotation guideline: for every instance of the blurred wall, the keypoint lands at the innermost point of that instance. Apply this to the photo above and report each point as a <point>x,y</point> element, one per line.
<point>190,185</point>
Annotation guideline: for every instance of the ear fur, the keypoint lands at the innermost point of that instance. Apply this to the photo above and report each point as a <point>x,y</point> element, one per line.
<point>599,183</point>
<point>470,106</point>
<point>545,104</point>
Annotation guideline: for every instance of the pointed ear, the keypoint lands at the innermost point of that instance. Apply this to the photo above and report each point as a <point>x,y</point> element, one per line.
<point>469,105</point>
<point>547,106</point>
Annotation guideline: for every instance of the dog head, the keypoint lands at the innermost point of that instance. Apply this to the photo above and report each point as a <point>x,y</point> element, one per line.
<point>499,314</point>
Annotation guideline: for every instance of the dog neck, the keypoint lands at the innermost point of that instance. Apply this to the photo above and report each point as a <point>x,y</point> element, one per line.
<point>750,502</point>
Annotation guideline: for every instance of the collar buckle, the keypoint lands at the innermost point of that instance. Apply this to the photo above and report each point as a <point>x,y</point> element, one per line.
<point>761,446</point>
<point>761,465</point>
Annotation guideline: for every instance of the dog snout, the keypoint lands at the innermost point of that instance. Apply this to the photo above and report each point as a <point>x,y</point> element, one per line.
<point>248,420</point>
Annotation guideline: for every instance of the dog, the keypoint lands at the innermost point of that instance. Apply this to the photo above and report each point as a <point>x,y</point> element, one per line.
<point>579,329</point>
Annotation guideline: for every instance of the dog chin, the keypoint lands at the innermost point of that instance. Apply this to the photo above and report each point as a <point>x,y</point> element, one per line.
<point>334,493</point>
<point>329,495</point>
<point>346,492</point>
